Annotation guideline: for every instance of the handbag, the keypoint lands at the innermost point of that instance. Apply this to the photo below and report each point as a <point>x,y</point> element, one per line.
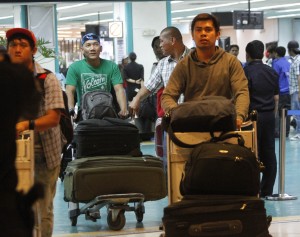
<point>221,169</point>
<point>210,114</point>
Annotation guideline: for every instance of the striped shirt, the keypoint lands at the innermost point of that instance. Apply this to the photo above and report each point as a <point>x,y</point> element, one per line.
<point>162,72</point>
<point>294,73</point>
<point>51,138</point>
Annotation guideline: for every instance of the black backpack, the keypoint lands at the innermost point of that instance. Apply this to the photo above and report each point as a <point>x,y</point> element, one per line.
<point>97,105</point>
<point>65,122</point>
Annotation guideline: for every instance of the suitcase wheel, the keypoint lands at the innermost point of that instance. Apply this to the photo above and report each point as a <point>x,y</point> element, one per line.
<point>119,221</point>
<point>139,212</point>
<point>73,220</point>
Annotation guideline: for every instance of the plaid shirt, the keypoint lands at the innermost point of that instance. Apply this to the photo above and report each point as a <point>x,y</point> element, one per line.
<point>160,76</point>
<point>294,73</point>
<point>53,99</point>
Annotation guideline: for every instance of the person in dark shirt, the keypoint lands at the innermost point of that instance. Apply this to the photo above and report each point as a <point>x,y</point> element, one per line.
<point>263,85</point>
<point>134,75</point>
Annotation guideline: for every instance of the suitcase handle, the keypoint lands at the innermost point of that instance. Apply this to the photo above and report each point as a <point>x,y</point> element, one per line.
<point>222,228</point>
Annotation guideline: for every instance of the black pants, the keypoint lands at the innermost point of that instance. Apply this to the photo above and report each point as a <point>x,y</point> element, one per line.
<point>266,150</point>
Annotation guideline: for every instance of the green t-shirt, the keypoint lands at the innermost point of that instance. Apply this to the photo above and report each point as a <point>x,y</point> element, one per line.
<point>87,78</point>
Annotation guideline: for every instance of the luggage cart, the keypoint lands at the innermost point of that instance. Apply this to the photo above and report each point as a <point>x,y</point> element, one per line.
<point>25,171</point>
<point>177,156</point>
<point>116,205</point>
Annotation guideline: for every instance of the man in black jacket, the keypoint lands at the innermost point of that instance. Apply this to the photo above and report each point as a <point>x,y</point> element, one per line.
<point>263,82</point>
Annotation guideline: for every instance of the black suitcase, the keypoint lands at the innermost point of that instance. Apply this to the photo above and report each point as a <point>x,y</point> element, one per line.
<point>216,215</point>
<point>107,136</point>
<point>87,178</point>
<point>221,169</point>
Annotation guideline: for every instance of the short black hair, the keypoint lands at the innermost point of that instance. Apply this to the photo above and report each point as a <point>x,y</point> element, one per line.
<point>280,51</point>
<point>173,32</point>
<point>255,49</point>
<point>132,56</point>
<point>271,48</point>
<point>153,40</point>
<point>205,17</point>
<point>234,46</point>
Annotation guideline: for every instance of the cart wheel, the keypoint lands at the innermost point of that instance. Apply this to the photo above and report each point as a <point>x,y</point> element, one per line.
<point>73,220</point>
<point>139,214</point>
<point>119,223</point>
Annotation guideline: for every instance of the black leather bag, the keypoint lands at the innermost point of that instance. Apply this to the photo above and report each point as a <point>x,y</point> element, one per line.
<point>211,114</point>
<point>217,168</point>
<point>215,216</point>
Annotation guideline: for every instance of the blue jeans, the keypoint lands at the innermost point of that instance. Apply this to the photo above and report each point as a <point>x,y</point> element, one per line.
<point>295,105</point>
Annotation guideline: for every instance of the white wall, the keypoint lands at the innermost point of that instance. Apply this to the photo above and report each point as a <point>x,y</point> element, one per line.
<point>147,16</point>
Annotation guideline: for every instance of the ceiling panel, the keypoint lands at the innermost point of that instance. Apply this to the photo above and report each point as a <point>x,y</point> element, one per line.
<point>182,11</point>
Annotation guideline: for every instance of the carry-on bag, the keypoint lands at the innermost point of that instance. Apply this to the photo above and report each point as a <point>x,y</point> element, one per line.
<point>87,178</point>
<point>97,105</point>
<point>210,114</point>
<point>221,168</point>
<point>220,215</point>
<point>107,136</point>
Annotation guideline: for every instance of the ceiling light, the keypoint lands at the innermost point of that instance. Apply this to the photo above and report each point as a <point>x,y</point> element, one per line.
<point>6,17</point>
<point>71,6</point>
<point>84,15</point>
<point>283,16</point>
<point>215,6</point>
<point>275,6</point>
<point>96,22</point>
<point>290,10</point>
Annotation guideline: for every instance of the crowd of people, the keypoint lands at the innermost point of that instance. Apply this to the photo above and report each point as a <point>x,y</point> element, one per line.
<point>180,74</point>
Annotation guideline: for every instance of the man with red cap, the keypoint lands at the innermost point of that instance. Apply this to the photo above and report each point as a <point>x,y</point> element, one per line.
<point>21,47</point>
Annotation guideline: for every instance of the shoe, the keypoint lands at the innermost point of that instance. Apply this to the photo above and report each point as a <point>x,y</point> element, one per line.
<point>295,138</point>
<point>293,123</point>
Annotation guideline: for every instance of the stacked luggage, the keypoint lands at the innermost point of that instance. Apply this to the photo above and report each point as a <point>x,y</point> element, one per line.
<point>213,185</point>
<point>109,169</point>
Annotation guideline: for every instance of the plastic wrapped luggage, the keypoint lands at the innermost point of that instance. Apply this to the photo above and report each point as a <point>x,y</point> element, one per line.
<point>107,136</point>
<point>221,215</point>
<point>25,172</point>
<point>87,178</point>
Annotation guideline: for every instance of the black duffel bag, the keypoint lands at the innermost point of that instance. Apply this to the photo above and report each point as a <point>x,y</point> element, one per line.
<point>215,168</point>
<point>210,114</point>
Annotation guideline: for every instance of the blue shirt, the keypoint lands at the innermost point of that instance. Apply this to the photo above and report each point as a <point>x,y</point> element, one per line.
<point>282,67</point>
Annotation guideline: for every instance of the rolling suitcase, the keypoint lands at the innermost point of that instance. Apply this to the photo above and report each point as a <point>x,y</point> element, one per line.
<point>87,178</point>
<point>107,136</point>
<point>220,215</point>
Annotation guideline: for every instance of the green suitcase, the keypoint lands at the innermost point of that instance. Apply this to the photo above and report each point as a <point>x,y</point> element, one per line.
<point>87,178</point>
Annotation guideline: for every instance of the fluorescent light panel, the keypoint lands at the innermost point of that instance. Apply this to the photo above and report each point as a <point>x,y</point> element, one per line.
<point>6,17</point>
<point>215,6</point>
<point>84,15</point>
<point>71,6</point>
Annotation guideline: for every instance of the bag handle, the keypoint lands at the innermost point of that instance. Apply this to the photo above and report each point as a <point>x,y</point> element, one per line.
<point>225,136</point>
<point>220,138</point>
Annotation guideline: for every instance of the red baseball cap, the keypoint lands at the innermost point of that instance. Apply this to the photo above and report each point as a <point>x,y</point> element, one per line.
<point>23,31</point>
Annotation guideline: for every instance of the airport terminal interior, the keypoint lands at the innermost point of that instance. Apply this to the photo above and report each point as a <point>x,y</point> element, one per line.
<point>74,19</point>
<point>285,213</point>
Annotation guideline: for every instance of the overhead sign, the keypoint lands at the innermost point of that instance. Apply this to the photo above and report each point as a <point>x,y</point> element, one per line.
<point>115,29</point>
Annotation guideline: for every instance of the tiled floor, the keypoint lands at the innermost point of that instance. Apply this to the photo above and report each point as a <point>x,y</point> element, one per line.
<point>286,214</point>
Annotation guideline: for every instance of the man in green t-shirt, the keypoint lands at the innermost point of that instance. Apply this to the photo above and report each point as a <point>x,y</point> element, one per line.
<point>94,73</point>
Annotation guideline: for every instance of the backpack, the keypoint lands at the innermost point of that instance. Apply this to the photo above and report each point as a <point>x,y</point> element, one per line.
<point>65,122</point>
<point>97,105</point>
